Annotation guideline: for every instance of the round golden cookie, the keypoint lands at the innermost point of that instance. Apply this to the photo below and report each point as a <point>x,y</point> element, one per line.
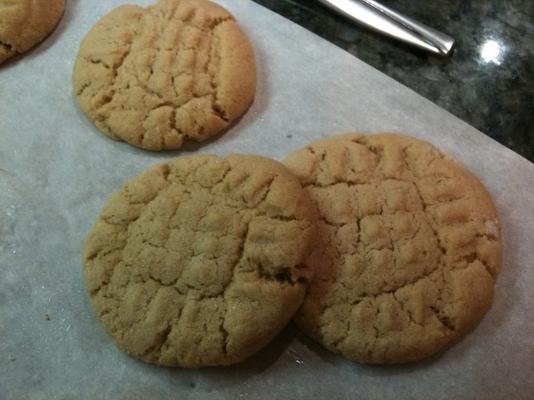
<point>24,23</point>
<point>156,77</point>
<point>200,262</point>
<point>409,247</point>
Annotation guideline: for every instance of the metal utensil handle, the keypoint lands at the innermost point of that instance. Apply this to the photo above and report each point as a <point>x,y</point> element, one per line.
<point>382,19</point>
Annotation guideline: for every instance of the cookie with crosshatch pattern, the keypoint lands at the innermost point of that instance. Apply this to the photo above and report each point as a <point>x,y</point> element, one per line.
<point>410,247</point>
<point>200,261</point>
<point>24,23</point>
<point>157,77</point>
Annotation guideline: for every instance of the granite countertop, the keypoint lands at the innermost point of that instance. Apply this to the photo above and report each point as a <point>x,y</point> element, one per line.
<point>489,80</point>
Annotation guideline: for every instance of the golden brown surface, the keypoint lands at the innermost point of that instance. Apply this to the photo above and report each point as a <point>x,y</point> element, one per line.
<point>24,23</point>
<point>200,261</point>
<point>156,77</point>
<point>409,249</point>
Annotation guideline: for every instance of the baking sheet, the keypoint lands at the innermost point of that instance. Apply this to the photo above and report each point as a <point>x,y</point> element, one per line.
<point>56,171</point>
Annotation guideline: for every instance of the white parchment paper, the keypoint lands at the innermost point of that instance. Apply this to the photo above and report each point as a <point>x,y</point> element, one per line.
<point>57,170</point>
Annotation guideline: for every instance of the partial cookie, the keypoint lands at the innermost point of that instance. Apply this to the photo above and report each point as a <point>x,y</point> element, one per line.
<point>410,247</point>
<point>200,261</point>
<point>24,23</point>
<point>157,77</point>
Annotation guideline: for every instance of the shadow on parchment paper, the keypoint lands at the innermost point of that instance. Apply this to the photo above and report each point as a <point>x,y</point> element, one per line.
<point>325,355</point>
<point>49,40</point>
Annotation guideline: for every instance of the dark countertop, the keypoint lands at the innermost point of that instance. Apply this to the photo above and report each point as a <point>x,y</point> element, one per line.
<point>488,82</point>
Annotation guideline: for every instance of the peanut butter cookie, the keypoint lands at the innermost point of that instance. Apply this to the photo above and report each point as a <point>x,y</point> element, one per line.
<point>410,247</point>
<point>24,23</point>
<point>200,261</point>
<point>156,77</point>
